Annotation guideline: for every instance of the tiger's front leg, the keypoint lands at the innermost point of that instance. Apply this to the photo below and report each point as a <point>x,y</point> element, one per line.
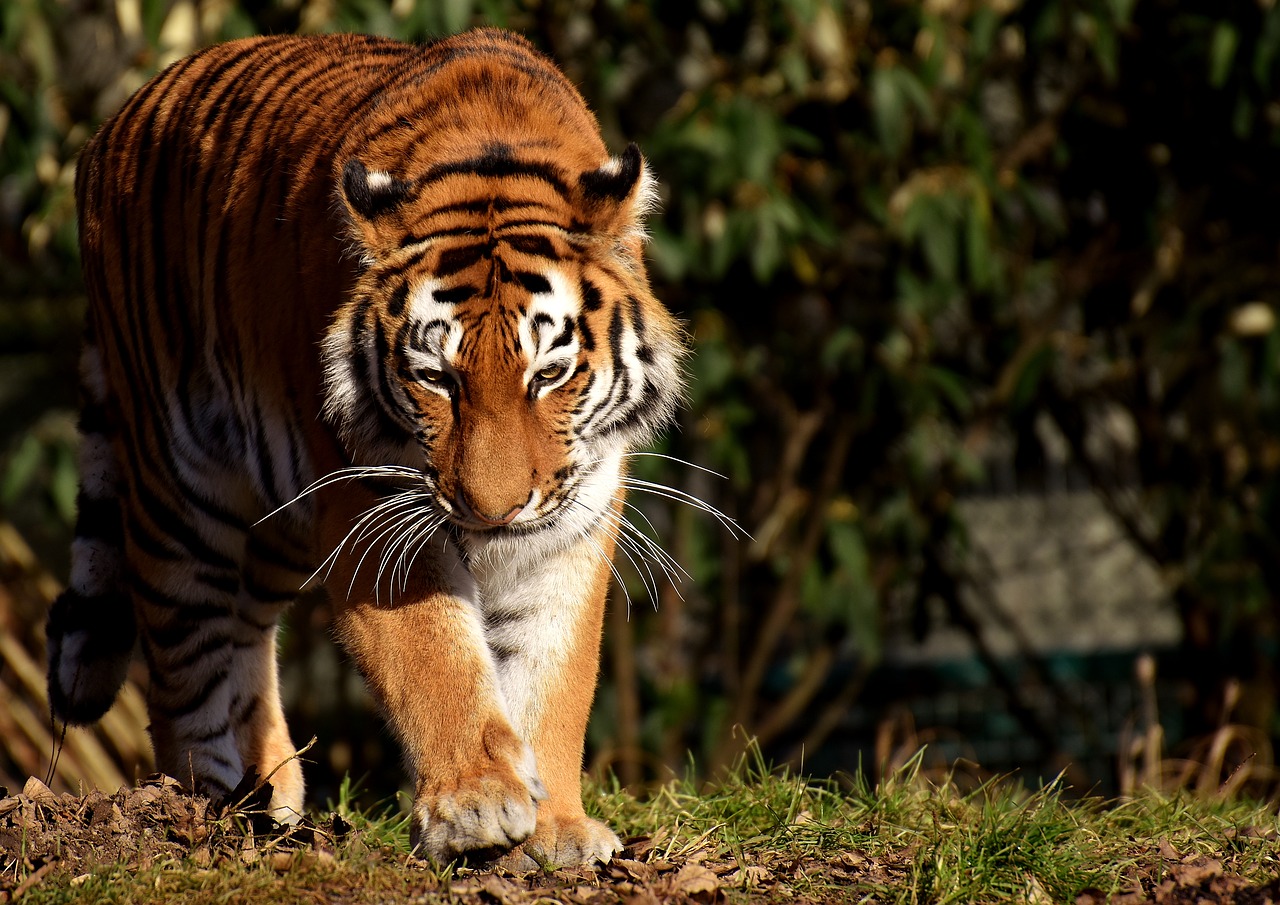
<point>421,648</point>
<point>543,623</point>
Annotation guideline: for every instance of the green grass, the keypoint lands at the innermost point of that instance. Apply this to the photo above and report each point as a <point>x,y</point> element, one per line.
<point>761,836</point>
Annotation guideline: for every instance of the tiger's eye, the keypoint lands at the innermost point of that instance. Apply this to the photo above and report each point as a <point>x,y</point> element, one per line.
<point>551,372</point>
<point>434,376</point>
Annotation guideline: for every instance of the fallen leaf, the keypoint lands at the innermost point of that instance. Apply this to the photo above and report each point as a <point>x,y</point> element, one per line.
<point>626,868</point>
<point>749,877</point>
<point>38,792</point>
<point>693,879</point>
<point>1197,872</point>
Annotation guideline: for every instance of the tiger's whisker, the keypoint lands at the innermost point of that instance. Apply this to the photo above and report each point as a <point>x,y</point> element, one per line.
<point>391,522</point>
<point>677,459</point>
<point>350,473</point>
<point>365,519</point>
<point>428,531</point>
<point>680,496</point>
<point>611,523</point>
<point>653,545</point>
<point>642,568</point>
<point>388,524</point>
<point>393,505</point>
<point>413,525</point>
<point>586,533</point>
<point>393,547</point>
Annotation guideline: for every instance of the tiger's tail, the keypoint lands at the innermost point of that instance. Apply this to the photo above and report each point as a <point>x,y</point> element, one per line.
<point>91,629</point>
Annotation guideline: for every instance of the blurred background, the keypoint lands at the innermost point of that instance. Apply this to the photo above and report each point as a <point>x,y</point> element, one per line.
<point>984,296</point>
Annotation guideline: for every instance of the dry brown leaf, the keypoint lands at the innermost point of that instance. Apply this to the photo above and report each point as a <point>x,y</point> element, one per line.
<point>749,877</point>
<point>38,792</point>
<point>1168,852</point>
<point>1197,872</point>
<point>628,869</point>
<point>693,879</point>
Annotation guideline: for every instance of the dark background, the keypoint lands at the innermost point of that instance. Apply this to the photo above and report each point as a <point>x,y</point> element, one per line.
<point>984,301</point>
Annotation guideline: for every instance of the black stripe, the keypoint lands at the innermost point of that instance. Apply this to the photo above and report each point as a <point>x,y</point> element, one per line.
<point>456,260</point>
<point>246,710</point>
<point>227,583</point>
<point>181,630</point>
<point>540,246</point>
<point>532,222</point>
<point>591,298</point>
<point>644,409</point>
<point>419,238</point>
<point>180,705</point>
<point>94,418</point>
<point>99,518</point>
<point>533,282</point>
<point>263,594</point>
<point>174,527</point>
<point>382,384</point>
<point>565,337</point>
<point>396,303</point>
<point>497,205</point>
<point>259,551</point>
<point>455,295</point>
<point>495,166</point>
<point>588,338</point>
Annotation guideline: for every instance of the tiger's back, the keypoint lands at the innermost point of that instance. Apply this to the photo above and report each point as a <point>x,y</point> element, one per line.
<point>310,254</point>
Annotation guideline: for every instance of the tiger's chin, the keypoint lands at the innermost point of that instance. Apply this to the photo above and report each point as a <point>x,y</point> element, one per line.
<point>542,535</point>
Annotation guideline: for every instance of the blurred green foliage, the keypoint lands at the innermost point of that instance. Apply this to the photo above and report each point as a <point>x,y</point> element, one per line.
<point>910,240</point>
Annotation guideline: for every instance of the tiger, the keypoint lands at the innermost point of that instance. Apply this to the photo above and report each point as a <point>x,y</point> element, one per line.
<point>373,314</point>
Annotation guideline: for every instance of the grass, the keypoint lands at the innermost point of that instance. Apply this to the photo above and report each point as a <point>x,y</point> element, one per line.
<point>758,836</point>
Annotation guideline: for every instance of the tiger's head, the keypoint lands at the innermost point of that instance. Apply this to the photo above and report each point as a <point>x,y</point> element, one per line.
<point>502,339</point>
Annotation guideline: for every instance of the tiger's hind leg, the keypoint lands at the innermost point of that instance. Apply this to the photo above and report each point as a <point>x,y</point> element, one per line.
<point>207,611</point>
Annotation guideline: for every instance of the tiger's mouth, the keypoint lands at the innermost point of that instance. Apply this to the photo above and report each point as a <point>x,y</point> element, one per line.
<point>471,517</point>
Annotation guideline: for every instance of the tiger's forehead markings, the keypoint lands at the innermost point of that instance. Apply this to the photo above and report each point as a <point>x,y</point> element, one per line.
<point>434,318</point>
<point>548,323</point>
<point>440,324</point>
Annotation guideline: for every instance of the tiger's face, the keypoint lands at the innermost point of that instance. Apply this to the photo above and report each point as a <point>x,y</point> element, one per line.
<point>506,345</point>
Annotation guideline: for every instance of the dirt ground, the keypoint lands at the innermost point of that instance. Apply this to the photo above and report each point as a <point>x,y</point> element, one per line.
<point>63,840</point>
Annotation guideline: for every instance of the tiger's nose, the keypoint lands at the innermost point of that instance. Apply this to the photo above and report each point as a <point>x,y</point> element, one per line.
<point>495,521</point>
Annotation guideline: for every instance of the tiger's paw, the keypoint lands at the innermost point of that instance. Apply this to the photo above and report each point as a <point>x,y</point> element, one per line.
<point>574,842</point>
<point>484,811</point>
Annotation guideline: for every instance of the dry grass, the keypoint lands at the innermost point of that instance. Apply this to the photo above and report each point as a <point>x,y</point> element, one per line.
<point>112,753</point>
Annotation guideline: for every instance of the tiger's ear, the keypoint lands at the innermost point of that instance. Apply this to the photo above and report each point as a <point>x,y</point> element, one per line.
<point>371,195</point>
<point>617,196</point>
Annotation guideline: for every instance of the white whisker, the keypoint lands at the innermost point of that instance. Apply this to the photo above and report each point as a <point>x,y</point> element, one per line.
<point>430,529</point>
<point>677,459</point>
<point>624,543</point>
<point>630,537</point>
<point>413,526</point>
<point>350,473</point>
<point>391,522</point>
<point>680,496</point>
<point>361,526</point>
<point>392,505</point>
<point>612,568</point>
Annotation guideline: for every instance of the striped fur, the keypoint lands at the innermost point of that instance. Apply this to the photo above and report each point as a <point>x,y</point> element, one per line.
<point>377,311</point>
